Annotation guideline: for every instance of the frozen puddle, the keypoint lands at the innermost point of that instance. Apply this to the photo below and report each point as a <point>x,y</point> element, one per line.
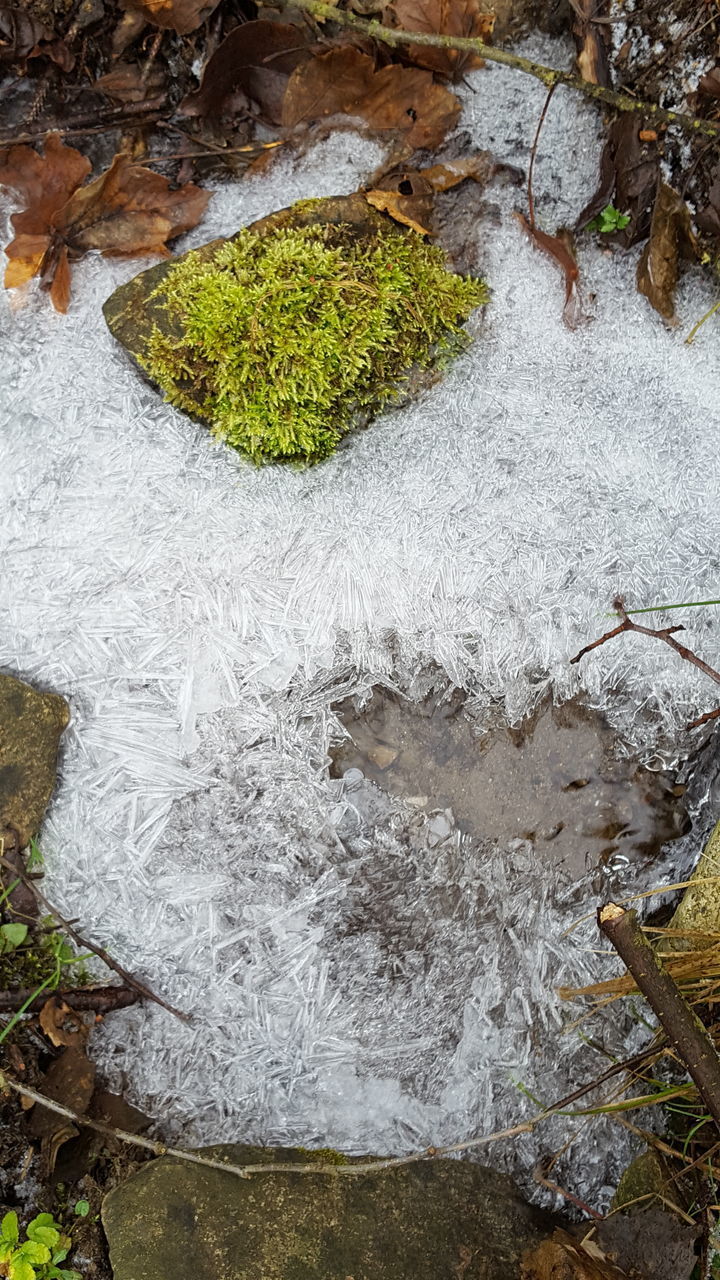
<point>203,618</point>
<point>559,780</point>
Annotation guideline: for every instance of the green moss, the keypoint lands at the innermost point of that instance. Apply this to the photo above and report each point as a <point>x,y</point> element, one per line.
<point>284,341</point>
<point>321,1155</point>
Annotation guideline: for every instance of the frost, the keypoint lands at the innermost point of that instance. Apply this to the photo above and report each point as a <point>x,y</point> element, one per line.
<point>349,985</point>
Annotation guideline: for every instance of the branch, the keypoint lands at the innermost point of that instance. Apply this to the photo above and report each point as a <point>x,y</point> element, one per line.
<point>682,1027</point>
<point>82,999</point>
<point>665,634</point>
<point>550,76</point>
<point>146,992</point>
<point>348,1170</point>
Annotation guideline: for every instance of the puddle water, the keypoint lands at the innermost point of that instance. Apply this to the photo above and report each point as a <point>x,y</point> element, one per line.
<point>557,781</point>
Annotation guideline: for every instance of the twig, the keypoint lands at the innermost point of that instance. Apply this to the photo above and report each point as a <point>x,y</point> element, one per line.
<point>114,117</point>
<point>82,999</point>
<point>100,952</point>
<point>682,1027</point>
<point>549,76</point>
<point>666,634</point>
<point>533,153</point>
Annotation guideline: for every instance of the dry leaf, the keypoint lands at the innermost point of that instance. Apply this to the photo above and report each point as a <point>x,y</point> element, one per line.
<point>399,207</point>
<point>671,238</point>
<point>394,99</point>
<point>127,210</point>
<point>182,16</point>
<point>563,1258</point>
<point>560,248</point>
<point>254,63</point>
<point>709,218</point>
<point>61,1024</point>
<point>22,36</point>
<point>629,171</point>
<point>710,83</point>
<point>650,1245</point>
<point>442,17</point>
<point>125,82</point>
<point>592,40</point>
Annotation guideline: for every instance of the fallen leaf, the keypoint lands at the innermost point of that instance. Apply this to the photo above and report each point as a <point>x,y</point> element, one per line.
<point>400,208</point>
<point>710,83</point>
<point>563,1258</point>
<point>253,63</point>
<point>182,16</point>
<point>592,40</point>
<point>70,1081</point>
<point>629,170</point>
<point>23,36</point>
<point>560,248</point>
<point>125,83</point>
<point>127,210</point>
<point>402,100</point>
<point>407,194</point>
<point>61,1024</point>
<point>442,17</point>
<point>671,238</point>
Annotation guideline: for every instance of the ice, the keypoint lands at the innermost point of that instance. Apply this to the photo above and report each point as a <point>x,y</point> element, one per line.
<point>350,986</point>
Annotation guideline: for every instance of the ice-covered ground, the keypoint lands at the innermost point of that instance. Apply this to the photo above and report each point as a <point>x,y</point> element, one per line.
<point>349,985</point>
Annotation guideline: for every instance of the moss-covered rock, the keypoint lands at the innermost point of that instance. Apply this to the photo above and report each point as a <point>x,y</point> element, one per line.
<point>431,1221</point>
<point>699,908</point>
<point>30,727</point>
<point>299,328</point>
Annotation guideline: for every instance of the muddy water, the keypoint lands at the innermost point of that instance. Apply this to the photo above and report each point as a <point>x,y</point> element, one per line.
<point>557,781</point>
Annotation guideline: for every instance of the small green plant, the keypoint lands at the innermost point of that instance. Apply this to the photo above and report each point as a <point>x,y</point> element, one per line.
<point>38,1257</point>
<point>37,963</point>
<point>12,936</point>
<point>609,220</point>
<point>285,341</point>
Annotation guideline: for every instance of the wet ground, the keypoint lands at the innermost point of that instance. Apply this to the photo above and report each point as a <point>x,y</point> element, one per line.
<point>559,780</point>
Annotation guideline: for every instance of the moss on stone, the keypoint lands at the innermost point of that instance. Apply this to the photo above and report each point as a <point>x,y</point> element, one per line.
<point>284,341</point>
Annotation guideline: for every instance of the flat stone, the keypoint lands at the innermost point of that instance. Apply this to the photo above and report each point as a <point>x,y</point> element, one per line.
<point>435,1220</point>
<point>31,724</point>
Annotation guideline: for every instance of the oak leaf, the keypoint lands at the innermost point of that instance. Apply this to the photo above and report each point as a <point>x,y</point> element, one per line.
<point>671,238</point>
<point>127,210</point>
<point>401,100</point>
<point>407,195</point>
<point>442,17</point>
<point>254,63</point>
<point>23,36</point>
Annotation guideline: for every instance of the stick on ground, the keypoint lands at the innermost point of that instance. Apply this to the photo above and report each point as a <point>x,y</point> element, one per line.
<point>681,1025</point>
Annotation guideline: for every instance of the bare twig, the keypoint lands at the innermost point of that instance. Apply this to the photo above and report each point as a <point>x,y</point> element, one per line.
<point>682,1027</point>
<point>82,999</point>
<point>667,635</point>
<point>95,122</point>
<point>100,952</point>
<point>533,153</point>
<point>549,76</point>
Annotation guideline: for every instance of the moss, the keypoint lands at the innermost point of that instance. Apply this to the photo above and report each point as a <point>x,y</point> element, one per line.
<point>322,1155</point>
<point>288,339</point>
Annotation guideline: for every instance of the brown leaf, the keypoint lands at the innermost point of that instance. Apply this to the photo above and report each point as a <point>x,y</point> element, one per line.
<point>128,209</point>
<point>442,177</point>
<point>125,82</point>
<point>560,248</point>
<point>651,1245</point>
<point>592,40</point>
<point>394,99</point>
<point>23,36</point>
<point>401,208</point>
<point>60,1023</point>
<point>70,1081</point>
<point>671,238</point>
<point>254,63</point>
<point>563,1258</point>
<point>709,218</point>
<point>442,17</point>
<point>182,16</point>
<point>710,83</point>
<point>629,171</point>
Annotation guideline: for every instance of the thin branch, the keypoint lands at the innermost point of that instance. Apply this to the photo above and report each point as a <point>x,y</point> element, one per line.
<point>550,76</point>
<point>349,1170</point>
<point>667,635</point>
<point>682,1027</point>
<point>533,153</point>
<point>100,952</point>
<point>82,999</point>
<point>95,122</point>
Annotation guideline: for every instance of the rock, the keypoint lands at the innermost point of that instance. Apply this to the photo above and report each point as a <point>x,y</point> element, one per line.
<point>31,724</point>
<point>699,907</point>
<point>435,1220</point>
<point>250,335</point>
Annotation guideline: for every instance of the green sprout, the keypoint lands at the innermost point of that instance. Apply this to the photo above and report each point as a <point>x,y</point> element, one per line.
<point>609,220</point>
<point>38,1257</point>
<point>285,341</point>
